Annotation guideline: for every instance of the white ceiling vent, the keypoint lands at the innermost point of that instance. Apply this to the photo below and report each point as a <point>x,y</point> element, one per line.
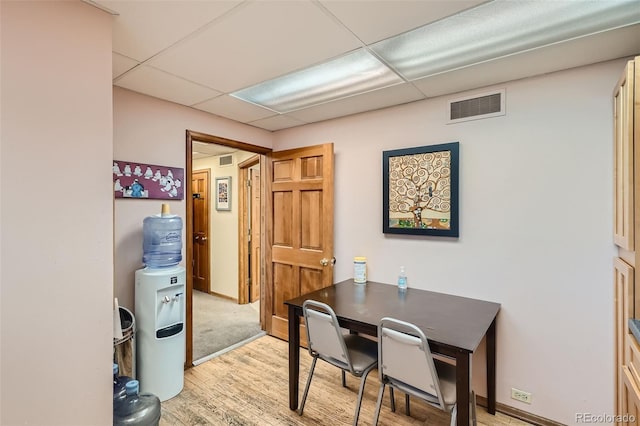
<point>477,106</point>
<point>225,160</point>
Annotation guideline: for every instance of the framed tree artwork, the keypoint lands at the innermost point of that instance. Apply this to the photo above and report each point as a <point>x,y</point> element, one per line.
<point>420,190</point>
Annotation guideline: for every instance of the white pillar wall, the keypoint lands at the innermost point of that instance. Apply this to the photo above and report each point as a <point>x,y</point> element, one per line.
<point>56,206</point>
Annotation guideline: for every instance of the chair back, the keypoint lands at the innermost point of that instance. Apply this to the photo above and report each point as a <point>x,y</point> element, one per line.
<point>324,335</point>
<point>405,360</point>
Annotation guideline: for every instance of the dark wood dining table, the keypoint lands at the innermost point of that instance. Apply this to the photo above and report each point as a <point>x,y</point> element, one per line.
<point>454,326</point>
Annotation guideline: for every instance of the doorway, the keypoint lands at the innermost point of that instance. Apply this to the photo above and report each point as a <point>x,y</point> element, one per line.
<point>249,206</point>
<point>208,230</point>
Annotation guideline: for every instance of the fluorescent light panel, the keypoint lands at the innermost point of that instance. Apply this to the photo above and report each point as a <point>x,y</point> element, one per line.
<point>491,30</point>
<point>499,28</point>
<point>356,72</point>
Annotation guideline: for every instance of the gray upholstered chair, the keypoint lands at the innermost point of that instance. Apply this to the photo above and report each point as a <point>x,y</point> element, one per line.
<point>406,364</point>
<point>349,352</point>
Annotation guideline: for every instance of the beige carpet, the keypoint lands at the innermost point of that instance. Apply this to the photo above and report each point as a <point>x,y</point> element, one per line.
<point>220,323</point>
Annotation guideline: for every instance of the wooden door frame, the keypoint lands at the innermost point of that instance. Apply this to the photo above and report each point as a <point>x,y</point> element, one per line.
<point>243,227</point>
<point>192,136</point>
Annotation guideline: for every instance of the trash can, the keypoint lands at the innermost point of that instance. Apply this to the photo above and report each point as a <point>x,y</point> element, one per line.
<point>124,350</point>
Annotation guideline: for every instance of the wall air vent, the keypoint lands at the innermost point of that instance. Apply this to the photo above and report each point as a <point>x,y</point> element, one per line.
<point>225,160</point>
<point>477,106</point>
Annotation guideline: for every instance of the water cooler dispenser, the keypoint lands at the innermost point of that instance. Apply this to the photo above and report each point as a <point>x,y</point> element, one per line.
<point>160,305</point>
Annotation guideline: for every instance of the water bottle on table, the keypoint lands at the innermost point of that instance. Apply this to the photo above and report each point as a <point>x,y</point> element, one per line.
<point>402,280</point>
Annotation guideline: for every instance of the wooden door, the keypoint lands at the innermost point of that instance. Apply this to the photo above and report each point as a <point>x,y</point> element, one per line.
<point>300,228</point>
<point>624,308</point>
<point>630,399</point>
<point>200,234</point>
<point>254,283</point>
<point>623,97</point>
<point>626,105</point>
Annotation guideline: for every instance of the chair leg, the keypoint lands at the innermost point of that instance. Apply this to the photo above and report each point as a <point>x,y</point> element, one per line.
<point>406,404</point>
<point>344,379</point>
<point>379,403</point>
<point>393,400</point>
<point>360,393</point>
<point>306,388</point>
<point>474,418</point>
<point>454,415</point>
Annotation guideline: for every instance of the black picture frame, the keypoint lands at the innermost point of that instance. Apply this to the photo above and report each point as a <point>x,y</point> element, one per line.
<point>421,180</point>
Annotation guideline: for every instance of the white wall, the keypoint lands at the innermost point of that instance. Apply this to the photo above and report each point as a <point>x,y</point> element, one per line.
<point>223,249</point>
<point>153,131</point>
<point>57,214</point>
<point>535,227</point>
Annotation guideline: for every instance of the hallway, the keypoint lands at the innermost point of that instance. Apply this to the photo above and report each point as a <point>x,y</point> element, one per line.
<point>220,323</point>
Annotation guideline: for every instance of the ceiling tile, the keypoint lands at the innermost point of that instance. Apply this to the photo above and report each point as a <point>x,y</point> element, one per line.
<point>259,41</point>
<point>577,52</point>
<point>153,82</point>
<point>231,45</point>
<point>377,99</point>
<point>278,122</point>
<point>204,150</point>
<point>121,64</point>
<point>387,18</point>
<point>144,28</point>
<point>235,109</point>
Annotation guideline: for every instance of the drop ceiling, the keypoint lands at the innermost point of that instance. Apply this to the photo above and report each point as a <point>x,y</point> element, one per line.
<point>203,150</point>
<point>196,53</point>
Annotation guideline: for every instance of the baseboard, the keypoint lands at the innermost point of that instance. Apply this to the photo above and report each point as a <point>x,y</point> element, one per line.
<point>519,414</point>
<point>223,296</point>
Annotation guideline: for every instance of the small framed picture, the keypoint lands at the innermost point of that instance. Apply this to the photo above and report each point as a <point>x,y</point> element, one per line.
<point>223,193</point>
<point>420,190</point>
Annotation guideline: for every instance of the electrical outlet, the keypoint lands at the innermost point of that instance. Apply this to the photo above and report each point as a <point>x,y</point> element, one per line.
<point>522,396</point>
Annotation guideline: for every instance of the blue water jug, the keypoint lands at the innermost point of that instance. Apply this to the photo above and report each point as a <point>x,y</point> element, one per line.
<point>162,244</point>
<point>137,409</point>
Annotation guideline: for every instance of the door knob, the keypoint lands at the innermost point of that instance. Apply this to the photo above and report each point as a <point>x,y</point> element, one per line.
<point>203,238</point>
<point>324,261</point>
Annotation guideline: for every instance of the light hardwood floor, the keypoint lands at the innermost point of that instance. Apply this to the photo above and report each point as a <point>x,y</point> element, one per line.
<point>249,386</point>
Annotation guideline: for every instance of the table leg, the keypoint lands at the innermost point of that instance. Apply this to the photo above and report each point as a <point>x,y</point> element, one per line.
<point>294,357</point>
<point>463,386</point>
<point>491,368</point>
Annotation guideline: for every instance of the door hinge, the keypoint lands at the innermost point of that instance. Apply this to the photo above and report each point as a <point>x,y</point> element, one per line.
<point>248,183</point>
